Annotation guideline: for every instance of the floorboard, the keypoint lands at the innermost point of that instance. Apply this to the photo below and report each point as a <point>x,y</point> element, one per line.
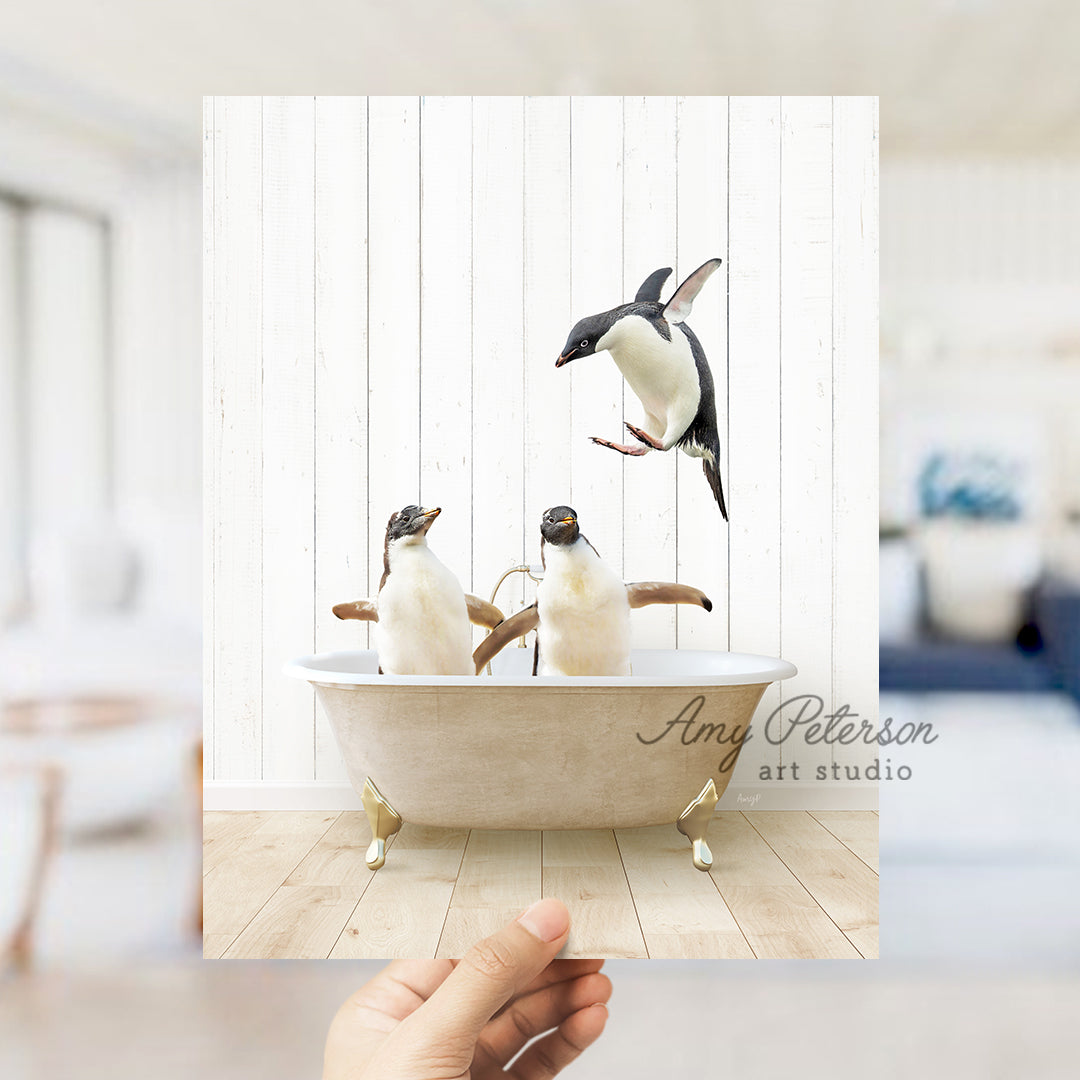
<point>241,883</point>
<point>584,870</point>
<point>785,884</point>
<point>779,917</point>
<point>500,877</point>
<point>338,858</point>
<point>674,898</point>
<point>214,945</point>
<point>865,939</point>
<point>842,884</point>
<point>402,911</point>
<point>856,830</point>
<point>299,922</point>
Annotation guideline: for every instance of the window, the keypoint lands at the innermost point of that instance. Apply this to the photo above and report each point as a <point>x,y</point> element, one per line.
<point>55,381</point>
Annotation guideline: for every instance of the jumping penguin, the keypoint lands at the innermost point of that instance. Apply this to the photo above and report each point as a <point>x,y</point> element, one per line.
<point>582,609</point>
<point>422,615</point>
<point>664,363</point>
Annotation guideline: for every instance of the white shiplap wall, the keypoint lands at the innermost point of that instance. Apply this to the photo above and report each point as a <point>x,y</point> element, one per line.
<point>388,282</point>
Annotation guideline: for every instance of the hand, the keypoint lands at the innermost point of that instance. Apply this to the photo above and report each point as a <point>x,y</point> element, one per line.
<point>465,1020</point>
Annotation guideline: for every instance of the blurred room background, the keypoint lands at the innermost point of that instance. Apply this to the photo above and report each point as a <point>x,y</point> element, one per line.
<point>980,547</point>
<point>100,474</point>
<point>100,403</point>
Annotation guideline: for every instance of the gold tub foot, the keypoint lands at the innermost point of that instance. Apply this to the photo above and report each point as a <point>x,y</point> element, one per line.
<point>384,821</point>
<point>694,820</point>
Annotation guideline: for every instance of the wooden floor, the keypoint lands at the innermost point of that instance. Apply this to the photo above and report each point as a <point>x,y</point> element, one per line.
<point>785,884</point>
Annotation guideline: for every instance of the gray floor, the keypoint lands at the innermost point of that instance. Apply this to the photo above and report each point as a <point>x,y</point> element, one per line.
<point>266,1021</point>
<point>980,849</point>
<point>980,871</point>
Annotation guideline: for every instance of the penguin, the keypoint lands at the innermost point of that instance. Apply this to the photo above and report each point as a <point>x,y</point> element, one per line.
<point>665,365</point>
<point>422,615</point>
<point>582,609</point>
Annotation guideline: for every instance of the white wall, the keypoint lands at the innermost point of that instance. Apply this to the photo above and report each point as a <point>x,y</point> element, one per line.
<point>388,283</point>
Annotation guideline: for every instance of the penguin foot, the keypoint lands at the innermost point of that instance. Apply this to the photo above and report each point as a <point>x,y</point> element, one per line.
<point>644,436</point>
<point>630,451</point>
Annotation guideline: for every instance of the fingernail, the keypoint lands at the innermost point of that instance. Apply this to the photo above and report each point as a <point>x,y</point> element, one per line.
<point>546,919</point>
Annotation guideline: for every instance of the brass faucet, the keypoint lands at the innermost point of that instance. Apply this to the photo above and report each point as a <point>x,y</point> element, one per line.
<point>536,573</point>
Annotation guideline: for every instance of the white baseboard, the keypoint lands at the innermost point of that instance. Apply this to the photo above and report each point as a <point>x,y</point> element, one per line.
<point>796,795</point>
<point>275,795</point>
<point>313,795</point>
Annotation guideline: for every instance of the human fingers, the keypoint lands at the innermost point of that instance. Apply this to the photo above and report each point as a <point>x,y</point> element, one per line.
<point>557,971</point>
<point>491,973</point>
<point>395,992</point>
<point>547,1057</point>
<point>533,1014</point>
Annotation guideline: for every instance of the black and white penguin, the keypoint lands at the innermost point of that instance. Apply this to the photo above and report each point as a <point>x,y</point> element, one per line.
<point>582,609</point>
<point>665,365</point>
<point>422,614</point>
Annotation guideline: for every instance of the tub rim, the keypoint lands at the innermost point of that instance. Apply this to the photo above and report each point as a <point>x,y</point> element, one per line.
<point>764,669</point>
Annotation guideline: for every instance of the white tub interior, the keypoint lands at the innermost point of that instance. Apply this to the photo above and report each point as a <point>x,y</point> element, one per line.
<point>513,667</point>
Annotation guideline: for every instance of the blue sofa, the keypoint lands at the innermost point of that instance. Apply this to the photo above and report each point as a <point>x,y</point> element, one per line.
<point>1046,657</point>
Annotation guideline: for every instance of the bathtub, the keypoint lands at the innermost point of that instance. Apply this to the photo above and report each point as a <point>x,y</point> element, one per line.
<point>514,751</point>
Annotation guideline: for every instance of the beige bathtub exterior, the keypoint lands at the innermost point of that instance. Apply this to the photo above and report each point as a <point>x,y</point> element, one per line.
<point>540,756</point>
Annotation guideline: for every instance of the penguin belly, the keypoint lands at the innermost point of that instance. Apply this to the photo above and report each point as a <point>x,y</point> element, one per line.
<point>662,374</point>
<point>423,626</point>
<point>584,615</point>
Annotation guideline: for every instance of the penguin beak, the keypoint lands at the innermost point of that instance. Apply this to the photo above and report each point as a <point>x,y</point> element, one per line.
<point>567,521</point>
<point>566,357</point>
<point>433,513</point>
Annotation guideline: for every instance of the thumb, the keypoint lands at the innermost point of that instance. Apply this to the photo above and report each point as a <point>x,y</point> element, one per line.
<point>492,972</point>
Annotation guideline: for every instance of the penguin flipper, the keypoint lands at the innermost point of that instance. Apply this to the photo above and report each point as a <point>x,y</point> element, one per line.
<point>358,609</point>
<point>651,286</point>
<point>678,307</point>
<point>712,474</point>
<point>643,593</point>
<point>482,613</point>
<point>516,626</point>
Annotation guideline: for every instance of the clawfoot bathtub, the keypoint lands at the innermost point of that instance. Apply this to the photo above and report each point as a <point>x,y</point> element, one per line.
<point>515,751</point>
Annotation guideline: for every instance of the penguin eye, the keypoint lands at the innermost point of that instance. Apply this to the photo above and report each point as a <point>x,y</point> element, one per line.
<point>583,344</point>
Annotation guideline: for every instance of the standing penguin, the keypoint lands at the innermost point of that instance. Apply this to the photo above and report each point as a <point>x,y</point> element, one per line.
<point>582,609</point>
<point>422,613</point>
<point>664,363</point>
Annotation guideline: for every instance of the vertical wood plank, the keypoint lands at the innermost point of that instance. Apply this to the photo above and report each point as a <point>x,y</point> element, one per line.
<point>855,441</point>
<point>754,399</point>
<point>548,318</point>
<point>288,444</point>
<point>237,422</point>
<point>806,411</point>
<point>446,297</point>
<point>498,335</point>
<point>596,386</point>
<point>393,316</point>
<point>649,494</point>
<point>702,533</point>
<point>454,244</point>
<point>341,388</point>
